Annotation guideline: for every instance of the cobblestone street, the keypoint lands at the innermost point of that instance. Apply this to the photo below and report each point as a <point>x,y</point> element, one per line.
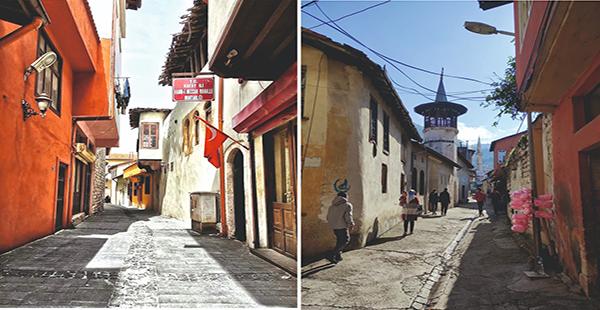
<point>130,258</point>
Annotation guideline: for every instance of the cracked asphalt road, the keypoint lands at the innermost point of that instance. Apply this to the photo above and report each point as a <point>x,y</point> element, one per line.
<point>388,274</point>
<point>459,261</point>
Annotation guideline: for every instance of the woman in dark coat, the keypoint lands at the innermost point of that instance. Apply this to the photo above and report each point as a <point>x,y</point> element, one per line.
<point>433,201</point>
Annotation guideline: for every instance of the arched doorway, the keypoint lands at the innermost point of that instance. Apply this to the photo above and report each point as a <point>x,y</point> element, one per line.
<point>238,196</point>
<point>434,179</point>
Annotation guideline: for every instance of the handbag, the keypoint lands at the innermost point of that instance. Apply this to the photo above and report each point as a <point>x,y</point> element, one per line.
<point>419,210</point>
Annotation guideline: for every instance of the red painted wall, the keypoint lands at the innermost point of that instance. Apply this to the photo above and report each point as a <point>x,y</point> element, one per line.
<point>504,144</point>
<point>523,53</point>
<point>32,149</point>
<point>572,199</point>
<point>576,216</point>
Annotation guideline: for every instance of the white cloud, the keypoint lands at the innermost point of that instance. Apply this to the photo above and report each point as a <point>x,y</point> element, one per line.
<point>487,134</point>
<point>471,134</point>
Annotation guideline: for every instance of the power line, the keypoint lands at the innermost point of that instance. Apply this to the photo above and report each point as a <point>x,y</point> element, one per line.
<point>345,16</point>
<point>314,1</point>
<point>389,59</point>
<point>384,57</point>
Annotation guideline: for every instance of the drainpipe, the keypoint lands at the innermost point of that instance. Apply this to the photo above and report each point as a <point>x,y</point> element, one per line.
<point>222,169</point>
<point>17,34</point>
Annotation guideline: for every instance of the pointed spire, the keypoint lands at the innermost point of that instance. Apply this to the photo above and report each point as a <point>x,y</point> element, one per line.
<point>479,144</point>
<point>441,92</point>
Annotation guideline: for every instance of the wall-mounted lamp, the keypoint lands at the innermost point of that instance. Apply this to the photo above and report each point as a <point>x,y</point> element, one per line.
<point>40,64</point>
<point>43,102</point>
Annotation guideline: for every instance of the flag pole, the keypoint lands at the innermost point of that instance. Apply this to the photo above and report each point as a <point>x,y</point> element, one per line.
<point>228,136</point>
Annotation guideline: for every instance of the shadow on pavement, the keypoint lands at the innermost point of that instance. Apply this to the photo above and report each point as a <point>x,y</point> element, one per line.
<point>267,284</point>
<point>74,267</point>
<point>316,269</point>
<point>490,274</point>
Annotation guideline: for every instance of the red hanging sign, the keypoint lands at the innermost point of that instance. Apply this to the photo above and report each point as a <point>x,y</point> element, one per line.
<point>193,89</point>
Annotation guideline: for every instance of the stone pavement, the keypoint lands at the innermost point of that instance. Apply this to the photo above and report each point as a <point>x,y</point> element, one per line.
<point>486,272</point>
<point>459,261</point>
<point>130,258</point>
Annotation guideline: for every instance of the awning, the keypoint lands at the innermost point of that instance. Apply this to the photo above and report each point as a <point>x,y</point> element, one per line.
<point>132,171</point>
<point>103,129</point>
<point>279,96</point>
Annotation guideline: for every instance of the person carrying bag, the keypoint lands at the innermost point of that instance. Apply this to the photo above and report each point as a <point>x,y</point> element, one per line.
<point>410,211</point>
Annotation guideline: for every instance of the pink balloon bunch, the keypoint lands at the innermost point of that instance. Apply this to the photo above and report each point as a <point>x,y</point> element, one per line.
<point>521,200</point>
<point>544,204</point>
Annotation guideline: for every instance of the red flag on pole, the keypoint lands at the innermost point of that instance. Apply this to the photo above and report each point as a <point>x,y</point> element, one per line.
<point>214,138</point>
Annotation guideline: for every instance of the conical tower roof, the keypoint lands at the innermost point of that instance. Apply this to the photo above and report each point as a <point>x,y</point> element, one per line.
<point>441,92</point>
<point>441,106</point>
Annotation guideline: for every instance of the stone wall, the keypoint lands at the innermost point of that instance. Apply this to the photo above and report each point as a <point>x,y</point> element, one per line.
<point>99,182</point>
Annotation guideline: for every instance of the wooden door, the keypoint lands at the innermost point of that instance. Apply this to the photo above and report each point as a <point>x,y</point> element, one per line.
<point>283,228</point>
<point>60,196</point>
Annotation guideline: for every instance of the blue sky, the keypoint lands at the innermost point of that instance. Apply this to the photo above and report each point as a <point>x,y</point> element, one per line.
<point>149,32</point>
<point>425,34</point>
<point>430,35</point>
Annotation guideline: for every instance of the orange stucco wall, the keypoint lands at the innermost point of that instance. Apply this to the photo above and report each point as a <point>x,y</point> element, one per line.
<point>32,149</point>
<point>523,51</point>
<point>575,216</point>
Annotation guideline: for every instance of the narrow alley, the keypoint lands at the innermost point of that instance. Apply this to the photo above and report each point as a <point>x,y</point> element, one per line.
<point>129,258</point>
<point>459,261</point>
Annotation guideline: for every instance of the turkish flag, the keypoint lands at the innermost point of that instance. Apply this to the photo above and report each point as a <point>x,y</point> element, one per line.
<point>213,140</point>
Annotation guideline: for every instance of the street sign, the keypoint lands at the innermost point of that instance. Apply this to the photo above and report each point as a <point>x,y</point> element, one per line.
<point>193,89</point>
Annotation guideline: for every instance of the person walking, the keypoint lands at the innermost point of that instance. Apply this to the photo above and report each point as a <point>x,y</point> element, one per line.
<point>480,198</point>
<point>445,200</point>
<point>410,211</point>
<point>433,201</point>
<point>339,217</point>
<point>495,197</point>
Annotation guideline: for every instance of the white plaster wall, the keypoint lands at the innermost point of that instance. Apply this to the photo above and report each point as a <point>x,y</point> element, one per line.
<point>442,133</point>
<point>219,13</point>
<point>236,96</point>
<point>151,117</point>
<point>261,204</point>
<point>375,212</point>
<point>190,173</point>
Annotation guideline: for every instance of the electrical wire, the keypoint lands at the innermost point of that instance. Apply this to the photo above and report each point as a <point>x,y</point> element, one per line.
<point>391,61</point>
<point>385,58</point>
<point>345,16</point>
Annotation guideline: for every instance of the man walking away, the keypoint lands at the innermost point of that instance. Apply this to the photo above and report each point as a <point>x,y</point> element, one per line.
<point>339,217</point>
<point>433,201</point>
<point>445,200</point>
<point>495,197</point>
<point>480,197</point>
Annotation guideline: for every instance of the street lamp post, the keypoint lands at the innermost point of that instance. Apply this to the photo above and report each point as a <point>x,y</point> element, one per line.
<point>538,271</point>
